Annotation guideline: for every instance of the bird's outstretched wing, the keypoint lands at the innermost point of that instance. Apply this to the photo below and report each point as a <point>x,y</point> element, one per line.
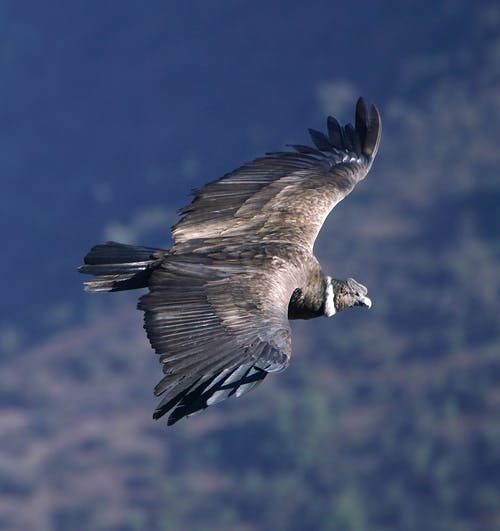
<point>218,307</point>
<point>283,196</point>
<point>218,325</point>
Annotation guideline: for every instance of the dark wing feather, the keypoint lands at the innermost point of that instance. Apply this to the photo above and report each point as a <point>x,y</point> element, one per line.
<point>214,332</point>
<point>320,140</point>
<point>335,133</point>
<point>284,195</point>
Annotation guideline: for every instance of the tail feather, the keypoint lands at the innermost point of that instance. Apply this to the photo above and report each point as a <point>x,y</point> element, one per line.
<point>118,266</point>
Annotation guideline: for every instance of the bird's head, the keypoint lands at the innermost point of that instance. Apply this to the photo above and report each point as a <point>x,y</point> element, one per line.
<point>349,293</point>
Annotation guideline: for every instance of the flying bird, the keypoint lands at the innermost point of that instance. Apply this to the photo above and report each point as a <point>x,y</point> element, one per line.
<point>242,265</point>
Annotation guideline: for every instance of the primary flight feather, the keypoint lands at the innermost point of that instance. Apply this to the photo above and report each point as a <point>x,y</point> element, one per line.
<point>242,265</point>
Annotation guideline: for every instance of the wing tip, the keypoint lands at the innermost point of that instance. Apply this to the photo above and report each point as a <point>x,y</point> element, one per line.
<point>205,393</point>
<point>369,127</point>
<point>362,139</point>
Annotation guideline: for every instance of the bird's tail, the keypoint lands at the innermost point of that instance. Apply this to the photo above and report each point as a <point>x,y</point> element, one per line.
<point>118,266</point>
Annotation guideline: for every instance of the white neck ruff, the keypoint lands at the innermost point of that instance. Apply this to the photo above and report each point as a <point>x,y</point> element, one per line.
<point>329,302</point>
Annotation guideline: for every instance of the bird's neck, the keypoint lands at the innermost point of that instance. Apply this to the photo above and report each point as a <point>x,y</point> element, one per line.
<point>329,306</point>
<point>335,300</point>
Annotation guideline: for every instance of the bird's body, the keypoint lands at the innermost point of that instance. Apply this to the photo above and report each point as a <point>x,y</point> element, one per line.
<point>242,265</point>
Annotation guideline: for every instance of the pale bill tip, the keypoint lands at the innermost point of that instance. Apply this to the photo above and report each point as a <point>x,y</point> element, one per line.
<point>367,302</point>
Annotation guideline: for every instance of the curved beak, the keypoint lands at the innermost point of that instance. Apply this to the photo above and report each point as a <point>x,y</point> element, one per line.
<point>365,301</point>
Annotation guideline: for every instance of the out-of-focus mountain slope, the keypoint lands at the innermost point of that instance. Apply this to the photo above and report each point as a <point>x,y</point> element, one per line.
<point>80,451</point>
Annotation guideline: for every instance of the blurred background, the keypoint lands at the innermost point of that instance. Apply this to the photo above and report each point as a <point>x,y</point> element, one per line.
<point>111,112</point>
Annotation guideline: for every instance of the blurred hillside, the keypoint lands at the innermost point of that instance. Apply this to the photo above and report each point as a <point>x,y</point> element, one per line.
<point>386,419</point>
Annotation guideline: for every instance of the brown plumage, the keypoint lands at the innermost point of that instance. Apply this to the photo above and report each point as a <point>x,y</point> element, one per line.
<point>242,264</point>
